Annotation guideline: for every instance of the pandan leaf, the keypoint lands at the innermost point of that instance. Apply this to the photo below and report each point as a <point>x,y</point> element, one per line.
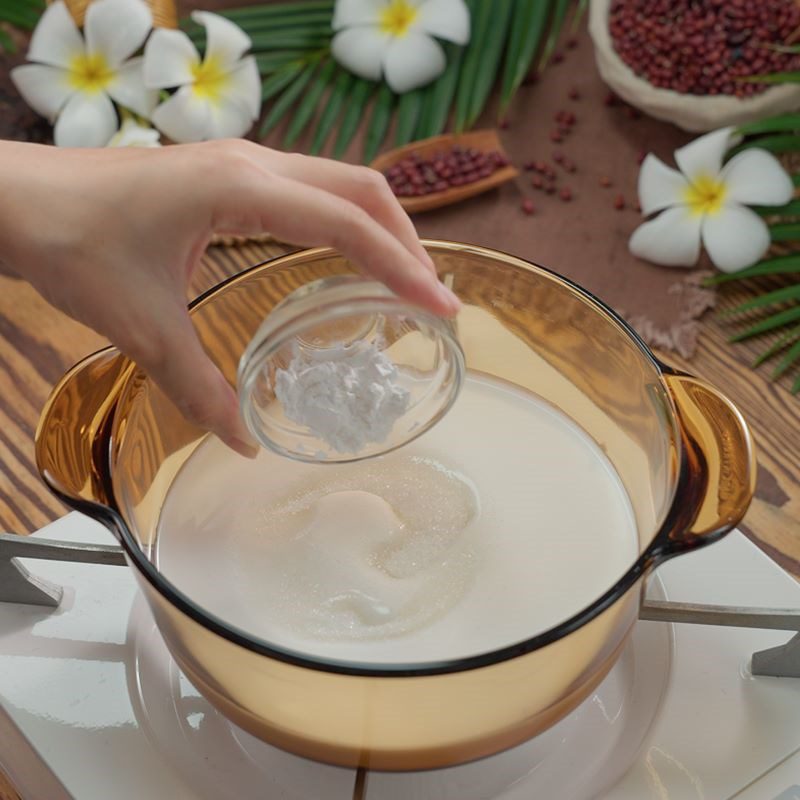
<point>773,266</point>
<point>783,122</point>
<point>279,41</point>
<point>783,295</point>
<point>791,209</point>
<point>408,110</point>
<point>579,12</point>
<point>281,79</point>
<point>784,231</point>
<point>359,96</point>
<point>339,92</point>
<point>527,29</point>
<point>379,122</point>
<point>778,143</point>
<point>786,338</point>
<point>438,98</point>
<point>287,99</point>
<point>559,13</point>
<point>795,386</point>
<point>788,359</point>
<point>769,324</point>
<point>265,11</point>
<point>307,106</point>
<point>491,54</point>
<point>23,14</point>
<point>482,17</point>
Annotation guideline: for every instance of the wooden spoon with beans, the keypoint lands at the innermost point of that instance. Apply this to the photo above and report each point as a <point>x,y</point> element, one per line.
<point>436,172</point>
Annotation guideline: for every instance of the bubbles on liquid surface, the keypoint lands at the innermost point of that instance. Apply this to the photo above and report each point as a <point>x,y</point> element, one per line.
<point>366,551</point>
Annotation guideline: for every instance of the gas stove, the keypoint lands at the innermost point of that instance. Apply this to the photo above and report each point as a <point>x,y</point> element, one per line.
<point>92,706</point>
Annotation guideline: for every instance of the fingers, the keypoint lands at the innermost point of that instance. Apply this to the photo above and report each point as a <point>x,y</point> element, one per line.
<point>310,216</point>
<point>175,359</point>
<point>362,186</point>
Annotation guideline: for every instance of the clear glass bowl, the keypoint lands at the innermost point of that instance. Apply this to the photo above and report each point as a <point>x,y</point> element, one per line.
<point>343,314</point>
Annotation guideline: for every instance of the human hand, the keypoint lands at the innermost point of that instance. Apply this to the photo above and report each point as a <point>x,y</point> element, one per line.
<point>84,226</point>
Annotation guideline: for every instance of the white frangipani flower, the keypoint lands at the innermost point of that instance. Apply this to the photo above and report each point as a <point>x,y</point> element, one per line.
<point>707,202</point>
<point>219,96</point>
<point>134,134</point>
<point>394,38</point>
<point>76,77</point>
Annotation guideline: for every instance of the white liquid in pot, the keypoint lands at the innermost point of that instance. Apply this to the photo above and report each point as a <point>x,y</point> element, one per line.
<point>502,521</point>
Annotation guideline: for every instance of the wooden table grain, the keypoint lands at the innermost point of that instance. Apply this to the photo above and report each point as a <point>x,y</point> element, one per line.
<point>37,345</point>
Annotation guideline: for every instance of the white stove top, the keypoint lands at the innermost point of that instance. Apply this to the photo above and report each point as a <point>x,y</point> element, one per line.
<point>92,706</point>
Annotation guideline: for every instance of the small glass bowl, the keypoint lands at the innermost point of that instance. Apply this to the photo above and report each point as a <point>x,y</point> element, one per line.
<point>348,311</point>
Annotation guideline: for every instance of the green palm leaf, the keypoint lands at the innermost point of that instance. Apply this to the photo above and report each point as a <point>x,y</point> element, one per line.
<point>359,96</point>
<point>784,231</point>
<point>408,110</point>
<point>379,122</point>
<point>781,123</point>
<point>777,143</point>
<point>783,295</point>
<point>281,79</point>
<point>527,29</point>
<point>780,265</point>
<point>481,14</point>
<point>769,324</point>
<point>437,98</point>
<point>792,354</point>
<point>793,334</point>
<point>288,98</point>
<point>791,209</point>
<point>336,99</point>
<point>305,109</point>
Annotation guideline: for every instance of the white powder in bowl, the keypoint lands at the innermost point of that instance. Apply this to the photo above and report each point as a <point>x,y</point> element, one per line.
<point>348,395</point>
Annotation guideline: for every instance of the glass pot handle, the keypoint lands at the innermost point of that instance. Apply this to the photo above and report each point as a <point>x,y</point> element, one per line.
<point>720,462</point>
<point>73,434</point>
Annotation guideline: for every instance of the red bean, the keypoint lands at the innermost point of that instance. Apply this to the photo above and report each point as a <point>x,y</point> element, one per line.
<point>528,207</point>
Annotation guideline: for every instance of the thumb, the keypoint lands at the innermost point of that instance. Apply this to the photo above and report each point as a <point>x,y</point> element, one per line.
<point>191,380</point>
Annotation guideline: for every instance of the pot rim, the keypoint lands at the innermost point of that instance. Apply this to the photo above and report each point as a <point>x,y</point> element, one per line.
<point>661,546</point>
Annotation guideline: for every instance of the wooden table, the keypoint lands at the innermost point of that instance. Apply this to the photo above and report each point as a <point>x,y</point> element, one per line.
<point>37,344</point>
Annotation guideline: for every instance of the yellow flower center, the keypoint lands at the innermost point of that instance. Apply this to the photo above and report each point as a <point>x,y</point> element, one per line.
<point>90,73</point>
<point>210,79</point>
<point>397,17</point>
<point>705,195</point>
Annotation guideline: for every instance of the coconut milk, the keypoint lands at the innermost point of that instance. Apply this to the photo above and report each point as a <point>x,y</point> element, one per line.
<point>500,522</point>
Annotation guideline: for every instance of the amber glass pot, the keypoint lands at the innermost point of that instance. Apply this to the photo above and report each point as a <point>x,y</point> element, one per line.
<point>110,444</point>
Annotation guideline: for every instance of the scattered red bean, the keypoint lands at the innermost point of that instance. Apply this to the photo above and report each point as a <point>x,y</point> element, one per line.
<point>605,181</point>
<point>610,99</point>
<point>704,47</point>
<point>619,202</point>
<point>540,166</point>
<point>572,43</point>
<point>558,57</point>
<point>415,176</point>
<point>504,124</point>
<point>558,156</point>
<point>555,136</point>
<point>529,166</point>
<point>550,188</point>
<point>568,165</point>
<point>537,182</point>
<point>574,94</point>
<point>565,194</point>
<point>528,207</point>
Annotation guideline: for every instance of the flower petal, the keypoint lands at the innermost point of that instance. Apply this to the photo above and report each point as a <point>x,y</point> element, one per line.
<point>735,237</point>
<point>169,57</point>
<point>184,117</point>
<point>244,87</point>
<point>447,19</point>
<point>226,42</point>
<point>348,13</point>
<point>56,39</point>
<point>756,176</point>
<point>128,88</point>
<point>413,60</point>
<point>131,134</point>
<point>45,89</point>
<point>116,28</point>
<point>361,50</point>
<point>671,239</point>
<point>88,120</point>
<point>704,155</point>
<point>660,186</point>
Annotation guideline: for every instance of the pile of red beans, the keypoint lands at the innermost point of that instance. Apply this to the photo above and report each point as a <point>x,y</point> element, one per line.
<point>415,176</point>
<point>705,47</point>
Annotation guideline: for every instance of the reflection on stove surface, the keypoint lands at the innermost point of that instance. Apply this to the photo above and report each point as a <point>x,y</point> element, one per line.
<point>585,754</point>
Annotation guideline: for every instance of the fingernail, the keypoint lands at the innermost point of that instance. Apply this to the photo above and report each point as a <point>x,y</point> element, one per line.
<point>243,448</point>
<point>449,297</point>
